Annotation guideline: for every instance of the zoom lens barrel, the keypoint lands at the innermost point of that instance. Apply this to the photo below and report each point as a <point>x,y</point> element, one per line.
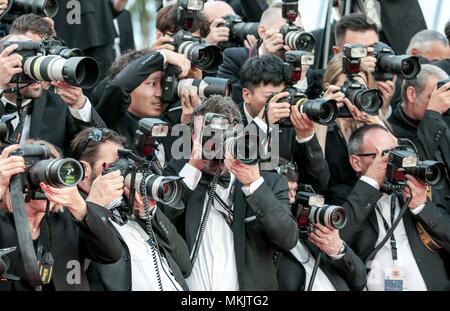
<point>330,216</point>
<point>300,40</point>
<point>58,173</point>
<point>321,110</point>
<point>207,57</point>
<point>206,87</point>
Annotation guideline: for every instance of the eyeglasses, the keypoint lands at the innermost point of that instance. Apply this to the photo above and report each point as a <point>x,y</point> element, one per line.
<point>96,135</point>
<point>383,153</point>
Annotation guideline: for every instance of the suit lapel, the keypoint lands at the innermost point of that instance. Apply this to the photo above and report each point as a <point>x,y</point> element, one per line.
<point>37,117</point>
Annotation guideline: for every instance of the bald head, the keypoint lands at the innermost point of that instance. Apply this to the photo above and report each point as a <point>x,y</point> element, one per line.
<point>217,9</point>
<point>272,19</point>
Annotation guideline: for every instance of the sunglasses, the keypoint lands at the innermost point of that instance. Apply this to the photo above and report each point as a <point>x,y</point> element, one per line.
<point>96,135</point>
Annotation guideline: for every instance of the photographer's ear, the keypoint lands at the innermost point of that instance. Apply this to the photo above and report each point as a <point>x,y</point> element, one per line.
<point>356,164</point>
<point>87,170</point>
<point>159,35</point>
<point>411,94</point>
<point>262,31</point>
<point>246,95</point>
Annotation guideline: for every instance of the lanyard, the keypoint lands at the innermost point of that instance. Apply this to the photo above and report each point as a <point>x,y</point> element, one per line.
<point>387,227</point>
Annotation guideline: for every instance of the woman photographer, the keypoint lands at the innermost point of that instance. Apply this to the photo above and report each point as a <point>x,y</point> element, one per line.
<point>69,233</point>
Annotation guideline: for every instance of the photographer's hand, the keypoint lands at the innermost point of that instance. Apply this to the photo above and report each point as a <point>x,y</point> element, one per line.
<point>218,33</point>
<point>71,95</point>
<point>303,126</point>
<point>334,92</point>
<point>276,110</point>
<point>357,114</point>
<point>179,60</point>
<point>189,100</point>
<point>69,198</point>
<point>10,65</point>
<point>138,207</point>
<point>377,169</point>
<point>418,190</point>
<point>440,99</point>
<point>197,148</point>
<point>246,174</point>
<point>106,189</point>
<point>273,42</point>
<point>163,43</point>
<point>250,42</point>
<point>3,6</point>
<point>9,166</point>
<point>370,62</point>
<point>387,89</point>
<point>327,240</point>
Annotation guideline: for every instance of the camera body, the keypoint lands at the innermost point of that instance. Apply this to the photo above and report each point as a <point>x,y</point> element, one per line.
<point>16,8</point>
<point>238,31</point>
<point>295,37</point>
<point>173,86</point>
<point>310,209</point>
<point>403,160</point>
<point>139,176</point>
<point>220,136</point>
<point>40,167</point>
<point>6,129</point>
<point>49,60</point>
<point>149,129</point>
<point>439,85</point>
<point>388,64</point>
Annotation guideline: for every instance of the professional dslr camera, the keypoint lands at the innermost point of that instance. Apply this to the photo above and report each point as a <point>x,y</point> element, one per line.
<point>220,136</point>
<point>295,37</point>
<point>404,160</point>
<point>388,64</point>
<point>369,101</point>
<point>238,31</point>
<point>49,60</point>
<point>319,110</point>
<point>439,85</point>
<point>138,175</point>
<point>5,264</point>
<point>173,86</point>
<point>44,8</point>
<point>310,209</point>
<point>149,130</point>
<point>58,173</point>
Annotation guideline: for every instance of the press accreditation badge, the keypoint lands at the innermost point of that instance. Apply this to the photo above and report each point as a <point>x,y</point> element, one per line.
<point>394,279</point>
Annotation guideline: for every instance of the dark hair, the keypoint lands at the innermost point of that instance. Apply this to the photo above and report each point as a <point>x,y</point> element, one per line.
<point>124,60</point>
<point>357,138</point>
<point>262,70</point>
<point>34,24</point>
<point>447,30</point>
<point>353,22</point>
<point>218,104</point>
<point>83,148</point>
<point>167,21</point>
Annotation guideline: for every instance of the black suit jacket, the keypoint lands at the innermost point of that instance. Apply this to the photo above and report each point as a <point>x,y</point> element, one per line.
<point>71,242</point>
<point>347,273</point>
<point>126,31</point>
<point>401,20</point>
<point>269,226</point>
<point>52,121</point>
<point>361,233</point>
<point>117,276</point>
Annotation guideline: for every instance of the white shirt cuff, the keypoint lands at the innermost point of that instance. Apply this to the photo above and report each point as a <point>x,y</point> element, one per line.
<point>304,140</point>
<point>388,114</point>
<point>371,182</point>
<point>191,176</point>
<point>248,191</point>
<point>418,209</point>
<point>84,114</point>
<point>337,257</point>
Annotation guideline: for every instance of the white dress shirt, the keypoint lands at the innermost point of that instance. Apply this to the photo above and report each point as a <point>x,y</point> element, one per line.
<point>215,266</point>
<point>84,114</point>
<point>322,282</point>
<point>383,262</point>
<point>143,273</point>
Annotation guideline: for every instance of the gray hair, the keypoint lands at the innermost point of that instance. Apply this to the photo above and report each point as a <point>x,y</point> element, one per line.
<point>423,39</point>
<point>356,141</point>
<point>419,83</point>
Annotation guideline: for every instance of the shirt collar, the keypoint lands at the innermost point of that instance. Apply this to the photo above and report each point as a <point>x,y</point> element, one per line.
<point>6,101</point>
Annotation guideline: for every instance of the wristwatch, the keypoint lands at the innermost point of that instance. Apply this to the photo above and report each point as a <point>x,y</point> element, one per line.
<point>343,250</point>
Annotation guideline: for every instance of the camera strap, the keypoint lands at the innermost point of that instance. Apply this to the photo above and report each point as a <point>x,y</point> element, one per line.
<point>46,260</point>
<point>387,227</point>
<point>27,251</point>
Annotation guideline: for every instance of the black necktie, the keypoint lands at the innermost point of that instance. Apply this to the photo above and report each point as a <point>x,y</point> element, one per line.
<point>119,215</point>
<point>224,179</point>
<point>10,108</point>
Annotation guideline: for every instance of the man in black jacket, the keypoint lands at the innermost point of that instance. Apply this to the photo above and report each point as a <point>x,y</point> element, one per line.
<point>413,257</point>
<point>232,226</point>
<point>421,119</point>
<point>53,115</point>
<point>137,269</point>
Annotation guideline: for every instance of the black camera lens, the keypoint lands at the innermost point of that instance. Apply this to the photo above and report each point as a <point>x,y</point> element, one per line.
<point>332,217</point>
<point>369,101</point>
<point>407,67</point>
<point>207,57</point>
<point>243,147</point>
<point>300,40</point>
<point>49,7</point>
<point>58,173</point>
<point>240,31</point>
<point>321,110</point>
<point>431,172</point>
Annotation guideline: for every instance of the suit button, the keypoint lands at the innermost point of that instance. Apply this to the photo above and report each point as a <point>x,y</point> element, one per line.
<point>368,205</point>
<point>126,258</point>
<point>103,218</point>
<point>260,213</point>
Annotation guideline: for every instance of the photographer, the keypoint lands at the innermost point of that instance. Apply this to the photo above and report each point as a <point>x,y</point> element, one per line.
<point>136,92</point>
<point>412,258</point>
<point>420,118</point>
<point>340,270</point>
<point>136,270</point>
<point>247,215</point>
<point>70,233</point>
<point>263,85</point>
<point>69,110</point>
<point>334,139</point>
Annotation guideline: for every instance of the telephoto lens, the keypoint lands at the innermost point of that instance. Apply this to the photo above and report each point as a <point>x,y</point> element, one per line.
<point>206,87</point>
<point>300,40</point>
<point>76,71</point>
<point>58,173</point>
<point>330,216</point>
<point>321,110</point>
<point>45,8</point>
<point>369,101</point>
<point>164,189</point>
<point>207,57</point>
<point>431,172</point>
<point>243,147</point>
